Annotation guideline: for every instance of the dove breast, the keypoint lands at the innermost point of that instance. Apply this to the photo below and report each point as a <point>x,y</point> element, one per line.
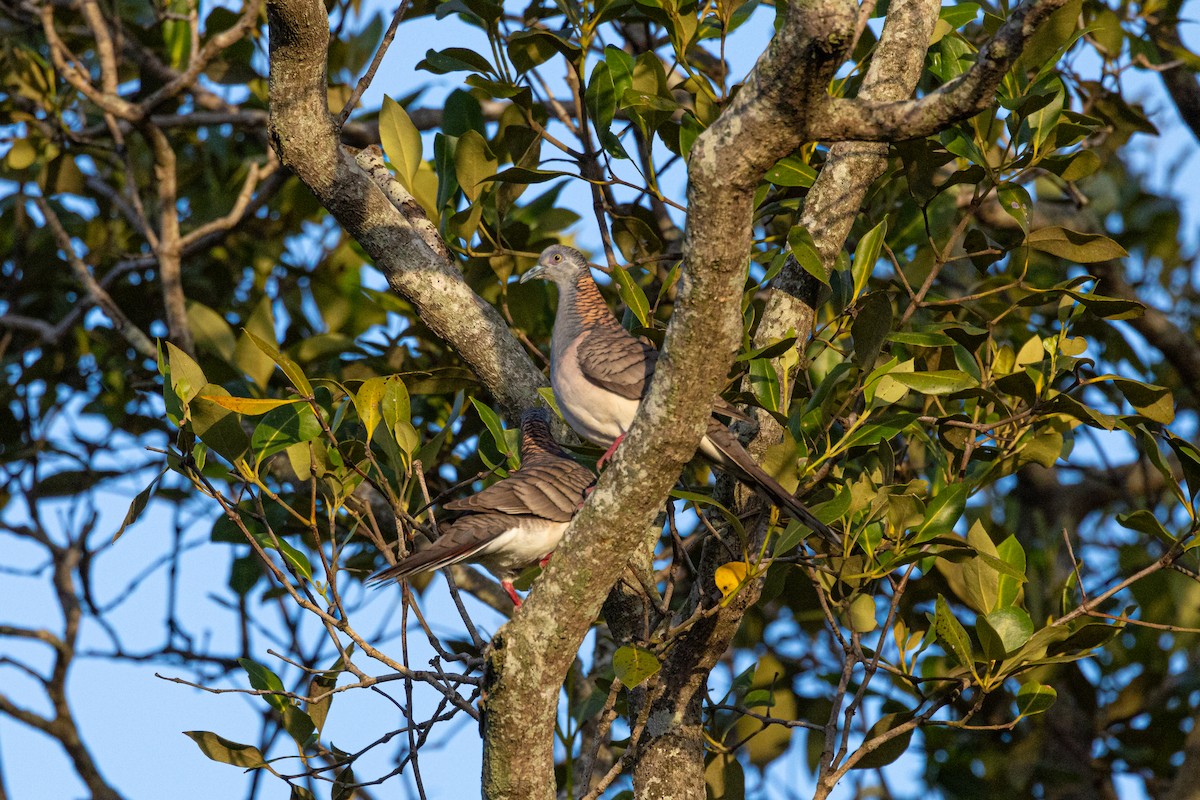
<point>597,415</point>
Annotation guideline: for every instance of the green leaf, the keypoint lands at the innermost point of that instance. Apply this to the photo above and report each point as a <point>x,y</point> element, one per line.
<point>529,48</point>
<point>323,683</point>
<point>282,428</point>
<point>211,332</point>
<point>633,296</point>
<point>959,15</point>
<point>401,141</point>
<point>290,368</point>
<point>1012,554</point>
<point>138,505</point>
<point>367,402</point>
<point>265,680</point>
<point>221,749</point>
<point>1082,164</point>
<point>455,59</point>
<point>935,382</point>
<point>1034,698</point>
<point>724,779</point>
<point>633,665</point>
<point>187,379</point>
<point>298,561</point>
<point>804,250</point>
<point>862,614</point>
<point>1044,120</point>
<point>1016,203</point>
<point>525,175</point>
<point>1146,522</point>
<point>1003,631</point>
<point>473,163</point>
<point>791,171</point>
<point>952,634</point>
<point>491,421</point>
<point>395,404</point>
<point>601,97</point>
<point>1082,248</point>
<point>891,749</point>
<point>943,512</point>
<point>1153,402</point>
<point>247,356</point>
<point>707,500</point>
<point>871,326</point>
<point>865,256</point>
<point>343,785</point>
<point>980,578</point>
<point>764,381</point>
<point>298,724</point>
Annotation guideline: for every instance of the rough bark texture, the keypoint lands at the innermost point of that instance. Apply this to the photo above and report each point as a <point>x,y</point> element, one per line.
<point>532,653</point>
<point>672,762</point>
<point>892,121</point>
<point>306,139</point>
<point>781,104</point>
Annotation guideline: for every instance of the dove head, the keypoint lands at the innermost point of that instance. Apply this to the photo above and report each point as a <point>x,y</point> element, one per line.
<point>558,263</point>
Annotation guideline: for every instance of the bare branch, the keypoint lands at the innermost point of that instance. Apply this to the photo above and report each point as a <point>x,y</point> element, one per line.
<point>95,293</point>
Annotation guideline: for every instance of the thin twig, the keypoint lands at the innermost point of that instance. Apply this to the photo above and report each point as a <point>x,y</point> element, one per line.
<point>369,75</point>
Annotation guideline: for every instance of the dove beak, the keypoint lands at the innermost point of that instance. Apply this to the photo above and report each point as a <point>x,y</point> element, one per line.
<point>535,272</point>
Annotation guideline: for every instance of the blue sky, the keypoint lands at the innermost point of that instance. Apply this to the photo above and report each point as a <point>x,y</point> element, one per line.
<point>134,720</point>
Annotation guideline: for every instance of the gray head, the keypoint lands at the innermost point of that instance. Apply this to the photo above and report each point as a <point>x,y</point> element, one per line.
<point>558,263</point>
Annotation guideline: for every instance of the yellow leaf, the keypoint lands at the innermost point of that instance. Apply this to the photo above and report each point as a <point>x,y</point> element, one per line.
<point>401,141</point>
<point>730,576</point>
<point>247,405</point>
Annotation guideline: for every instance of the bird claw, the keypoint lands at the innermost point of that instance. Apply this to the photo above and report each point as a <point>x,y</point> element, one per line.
<point>512,592</point>
<point>612,448</point>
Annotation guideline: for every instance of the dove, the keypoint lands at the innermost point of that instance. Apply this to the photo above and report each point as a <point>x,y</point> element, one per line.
<point>514,523</point>
<point>599,373</point>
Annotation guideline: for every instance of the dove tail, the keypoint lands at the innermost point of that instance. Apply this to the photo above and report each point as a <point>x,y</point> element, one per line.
<point>741,464</point>
<point>430,559</point>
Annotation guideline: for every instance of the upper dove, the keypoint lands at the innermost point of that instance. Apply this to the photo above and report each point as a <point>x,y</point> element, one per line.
<point>599,373</point>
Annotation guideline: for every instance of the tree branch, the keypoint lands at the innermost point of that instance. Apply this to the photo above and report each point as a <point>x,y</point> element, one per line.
<point>829,211</point>
<point>531,654</point>
<point>305,137</point>
<point>966,95</point>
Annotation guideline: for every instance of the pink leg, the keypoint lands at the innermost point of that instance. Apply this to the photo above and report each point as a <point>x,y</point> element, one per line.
<point>545,559</point>
<point>508,587</point>
<point>612,448</point>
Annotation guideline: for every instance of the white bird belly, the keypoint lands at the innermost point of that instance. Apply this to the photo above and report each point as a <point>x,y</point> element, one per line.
<point>595,413</point>
<point>527,542</point>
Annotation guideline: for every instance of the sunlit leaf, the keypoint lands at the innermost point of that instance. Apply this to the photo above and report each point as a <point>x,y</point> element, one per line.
<point>633,665</point>
<point>221,749</point>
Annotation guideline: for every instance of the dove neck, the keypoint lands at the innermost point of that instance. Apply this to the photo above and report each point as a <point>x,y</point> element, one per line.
<point>536,440</point>
<point>581,307</point>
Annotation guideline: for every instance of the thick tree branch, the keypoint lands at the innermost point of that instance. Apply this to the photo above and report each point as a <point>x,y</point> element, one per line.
<point>829,211</point>
<point>305,137</point>
<point>966,95</point>
<point>532,653</point>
